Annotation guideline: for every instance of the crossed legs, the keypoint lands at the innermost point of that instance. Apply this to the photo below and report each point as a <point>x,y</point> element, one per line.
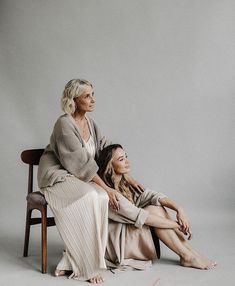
<point>174,239</point>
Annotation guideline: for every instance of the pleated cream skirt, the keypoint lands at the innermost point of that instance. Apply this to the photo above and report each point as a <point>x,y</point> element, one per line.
<point>81,217</point>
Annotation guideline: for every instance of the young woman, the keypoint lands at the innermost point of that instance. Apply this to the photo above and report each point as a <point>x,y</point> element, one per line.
<point>138,210</point>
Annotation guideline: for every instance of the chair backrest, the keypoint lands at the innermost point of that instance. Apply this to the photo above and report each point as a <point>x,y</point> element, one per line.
<point>32,158</point>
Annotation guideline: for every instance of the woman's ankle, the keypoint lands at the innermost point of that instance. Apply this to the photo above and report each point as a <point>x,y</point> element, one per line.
<point>186,255</point>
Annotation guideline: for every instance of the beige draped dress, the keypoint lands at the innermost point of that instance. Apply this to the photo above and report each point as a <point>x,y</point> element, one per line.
<point>80,207</point>
<point>130,242</point>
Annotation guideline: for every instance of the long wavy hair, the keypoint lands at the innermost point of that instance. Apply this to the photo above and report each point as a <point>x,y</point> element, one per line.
<point>107,173</point>
<point>73,89</point>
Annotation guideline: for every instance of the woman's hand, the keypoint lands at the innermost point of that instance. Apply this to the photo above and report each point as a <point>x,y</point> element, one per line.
<point>182,220</point>
<point>135,186</point>
<point>113,199</point>
<point>184,223</point>
<point>112,193</point>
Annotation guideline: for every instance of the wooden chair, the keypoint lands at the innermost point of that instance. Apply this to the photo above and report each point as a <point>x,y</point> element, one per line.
<point>35,200</point>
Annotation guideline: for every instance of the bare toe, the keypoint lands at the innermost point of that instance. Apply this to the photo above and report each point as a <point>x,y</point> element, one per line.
<point>96,280</point>
<point>59,272</point>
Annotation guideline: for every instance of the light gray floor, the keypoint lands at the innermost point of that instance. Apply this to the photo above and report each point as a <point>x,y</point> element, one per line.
<point>214,236</point>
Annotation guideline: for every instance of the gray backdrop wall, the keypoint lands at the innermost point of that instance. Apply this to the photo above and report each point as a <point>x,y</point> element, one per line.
<point>163,73</point>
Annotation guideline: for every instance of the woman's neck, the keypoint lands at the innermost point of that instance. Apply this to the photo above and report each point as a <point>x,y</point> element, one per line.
<point>117,180</point>
<point>79,115</point>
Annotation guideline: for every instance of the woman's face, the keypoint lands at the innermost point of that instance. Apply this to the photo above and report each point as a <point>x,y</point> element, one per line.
<point>120,162</point>
<point>86,101</point>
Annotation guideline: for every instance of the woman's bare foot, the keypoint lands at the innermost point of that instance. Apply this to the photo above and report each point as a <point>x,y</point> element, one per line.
<point>96,280</point>
<point>192,250</point>
<point>59,272</point>
<point>197,262</point>
<point>203,257</point>
<point>213,263</point>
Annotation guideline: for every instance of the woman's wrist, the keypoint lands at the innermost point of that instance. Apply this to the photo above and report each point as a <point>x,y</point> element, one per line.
<point>101,183</point>
<point>108,189</point>
<point>179,209</point>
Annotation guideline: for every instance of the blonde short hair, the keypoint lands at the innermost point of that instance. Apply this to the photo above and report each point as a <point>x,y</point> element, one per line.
<point>73,89</point>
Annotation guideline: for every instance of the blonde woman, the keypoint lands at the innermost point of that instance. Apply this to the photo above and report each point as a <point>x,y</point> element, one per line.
<point>67,176</point>
<point>130,241</point>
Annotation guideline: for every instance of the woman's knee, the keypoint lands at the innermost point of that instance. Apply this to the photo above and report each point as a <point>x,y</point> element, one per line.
<point>157,210</point>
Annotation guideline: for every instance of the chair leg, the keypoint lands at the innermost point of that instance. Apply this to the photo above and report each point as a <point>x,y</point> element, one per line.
<point>27,231</point>
<point>44,239</point>
<point>156,242</point>
<point>158,250</point>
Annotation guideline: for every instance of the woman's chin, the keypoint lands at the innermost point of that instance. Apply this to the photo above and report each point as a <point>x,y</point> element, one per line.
<point>123,171</point>
<point>90,109</point>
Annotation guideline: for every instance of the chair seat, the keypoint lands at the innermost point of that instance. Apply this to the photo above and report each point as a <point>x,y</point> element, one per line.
<point>36,198</point>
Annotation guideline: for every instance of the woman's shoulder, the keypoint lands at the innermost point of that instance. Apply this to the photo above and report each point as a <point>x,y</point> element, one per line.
<point>64,119</point>
<point>64,122</point>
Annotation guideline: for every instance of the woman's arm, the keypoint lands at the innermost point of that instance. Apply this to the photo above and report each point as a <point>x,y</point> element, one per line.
<point>180,214</point>
<point>112,193</point>
<point>166,202</point>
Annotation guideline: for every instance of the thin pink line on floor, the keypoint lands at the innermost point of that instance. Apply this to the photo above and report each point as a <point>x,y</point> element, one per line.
<point>156,283</point>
